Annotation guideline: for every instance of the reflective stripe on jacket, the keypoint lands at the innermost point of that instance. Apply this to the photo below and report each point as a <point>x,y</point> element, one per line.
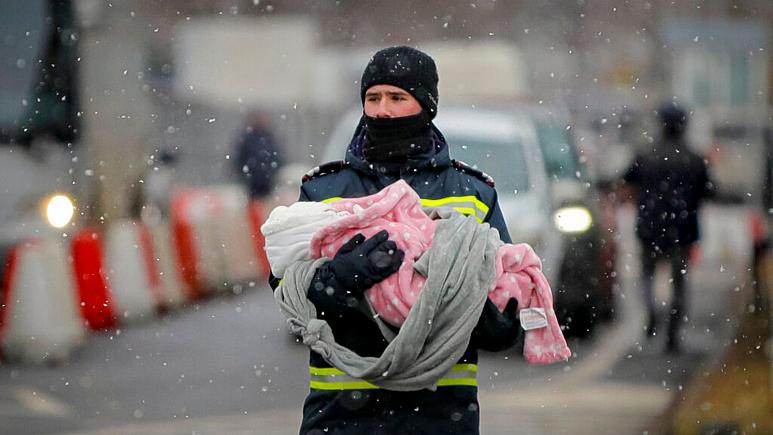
<point>466,205</point>
<point>330,378</point>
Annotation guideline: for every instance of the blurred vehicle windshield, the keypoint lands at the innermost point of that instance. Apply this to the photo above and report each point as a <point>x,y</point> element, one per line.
<point>511,173</point>
<point>560,158</point>
<point>24,37</point>
<point>38,71</point>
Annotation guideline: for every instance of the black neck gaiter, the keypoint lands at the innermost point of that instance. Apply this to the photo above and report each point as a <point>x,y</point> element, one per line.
<point>397,139</point>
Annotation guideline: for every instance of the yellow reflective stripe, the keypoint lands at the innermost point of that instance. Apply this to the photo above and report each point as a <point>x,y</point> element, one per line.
<point>325,371</point>
<point>480,205</point>
<point>359,385</point>
<point>465,368</point>
<point>458,375</point>
<point>466,208</point>
<point>466,382</point>
<point>477,205</point>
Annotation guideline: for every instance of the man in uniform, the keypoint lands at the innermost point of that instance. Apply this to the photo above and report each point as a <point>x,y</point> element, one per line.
<point>395,139</point>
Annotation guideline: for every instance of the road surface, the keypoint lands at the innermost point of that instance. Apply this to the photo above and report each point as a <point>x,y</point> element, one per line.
<point>227,365</point>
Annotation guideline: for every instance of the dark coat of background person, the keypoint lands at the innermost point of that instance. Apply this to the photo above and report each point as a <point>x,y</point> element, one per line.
<point>672,181</point>
<point>258,157</point>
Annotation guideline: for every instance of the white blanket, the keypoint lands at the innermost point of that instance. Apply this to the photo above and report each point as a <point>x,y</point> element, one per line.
<point>288,231</point>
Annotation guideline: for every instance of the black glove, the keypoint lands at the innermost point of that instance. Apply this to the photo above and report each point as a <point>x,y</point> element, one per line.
<point>338,285</point>
<point>497,331</point>
<point>360,263</point>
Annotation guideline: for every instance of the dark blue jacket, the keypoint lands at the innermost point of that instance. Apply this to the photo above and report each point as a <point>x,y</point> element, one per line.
<point>337,405</point>
<point>257,161</point>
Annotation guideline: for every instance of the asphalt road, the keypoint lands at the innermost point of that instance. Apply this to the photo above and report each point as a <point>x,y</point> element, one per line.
<point>228,366</point>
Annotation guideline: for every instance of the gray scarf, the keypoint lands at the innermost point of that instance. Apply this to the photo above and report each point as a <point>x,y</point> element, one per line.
<point>460,269</point>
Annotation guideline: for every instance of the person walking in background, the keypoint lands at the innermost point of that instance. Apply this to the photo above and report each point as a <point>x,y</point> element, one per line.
<point>396,139</point>
<point>670,181</point>
<point>258,157</point>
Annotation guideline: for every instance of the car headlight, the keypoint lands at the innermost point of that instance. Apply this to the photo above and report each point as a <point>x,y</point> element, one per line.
<point>573,220</point>
<point>59,210</point>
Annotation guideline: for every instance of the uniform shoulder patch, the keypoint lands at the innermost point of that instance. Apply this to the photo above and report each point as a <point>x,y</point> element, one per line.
<point>477,173</point>
<point>324,169</point>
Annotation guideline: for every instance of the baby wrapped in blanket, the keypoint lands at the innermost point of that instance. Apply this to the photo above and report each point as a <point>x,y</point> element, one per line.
<point>311,230</point>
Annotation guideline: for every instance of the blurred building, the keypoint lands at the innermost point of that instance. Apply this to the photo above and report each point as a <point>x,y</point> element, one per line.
<point>180,75</point>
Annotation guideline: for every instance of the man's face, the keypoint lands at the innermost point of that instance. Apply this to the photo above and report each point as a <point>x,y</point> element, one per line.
<point>387,101</point>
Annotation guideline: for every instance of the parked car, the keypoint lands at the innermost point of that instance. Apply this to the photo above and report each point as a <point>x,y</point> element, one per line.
<point>544,202</point>
<point>584,214</point>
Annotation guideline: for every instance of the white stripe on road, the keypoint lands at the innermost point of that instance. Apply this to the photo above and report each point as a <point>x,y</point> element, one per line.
<point>42,404</point>
<point>614,408</point>
<point>274,421</point>
<point>613,397</point>
<point>612,344</point>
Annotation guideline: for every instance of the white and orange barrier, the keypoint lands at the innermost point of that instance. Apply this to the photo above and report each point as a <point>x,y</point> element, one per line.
<point>96,300</point>
<point>214,238</point>
<point>39,318</point>
<point>233,230</point>
<point>257,213</point>
<point>195,241</point>
<point>131,271</point>
<point>173,290</point>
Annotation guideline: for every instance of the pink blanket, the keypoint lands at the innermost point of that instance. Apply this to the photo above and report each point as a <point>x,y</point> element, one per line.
<point>397,208</point>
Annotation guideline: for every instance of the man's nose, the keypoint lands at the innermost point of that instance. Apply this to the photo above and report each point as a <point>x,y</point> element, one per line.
<point>383,109</point>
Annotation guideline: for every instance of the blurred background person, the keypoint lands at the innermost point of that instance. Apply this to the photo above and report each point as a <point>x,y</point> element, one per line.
<point>670,182</point>
<point>152,199</point>
<point>258,157</point>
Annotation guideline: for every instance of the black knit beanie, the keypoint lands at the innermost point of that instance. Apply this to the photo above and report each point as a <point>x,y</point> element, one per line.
<point>408,69</point>
<point>673,119</point>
